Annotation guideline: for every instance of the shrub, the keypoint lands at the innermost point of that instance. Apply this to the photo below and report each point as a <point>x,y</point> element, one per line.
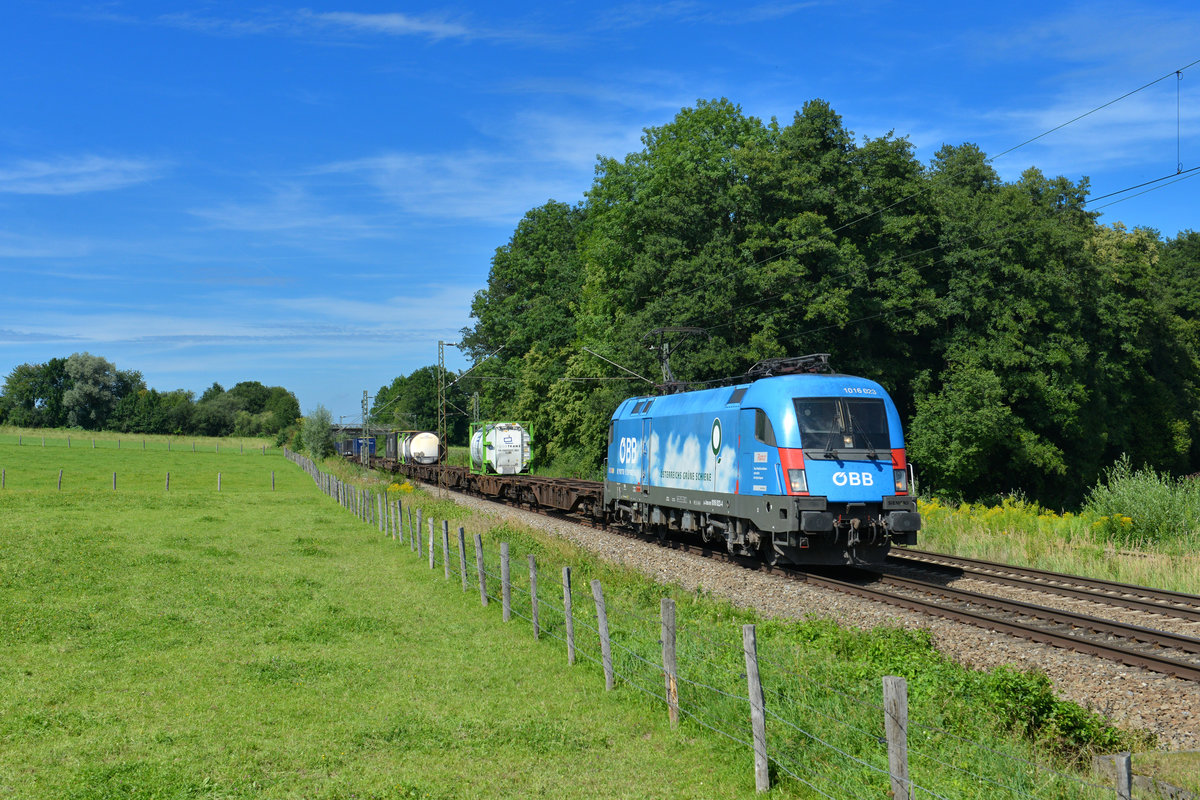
<point>1144,506</point>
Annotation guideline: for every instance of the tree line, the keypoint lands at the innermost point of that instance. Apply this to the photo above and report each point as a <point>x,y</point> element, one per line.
<point>1027,345</point>
<point>89,392</point>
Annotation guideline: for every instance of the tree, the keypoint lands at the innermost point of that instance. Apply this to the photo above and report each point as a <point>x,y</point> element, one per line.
<point>283,407</point>
<point>317,433</point>
<point>33,395</point>
<point>251,396</point>
<point>212,392</point>
<point>96,387</point>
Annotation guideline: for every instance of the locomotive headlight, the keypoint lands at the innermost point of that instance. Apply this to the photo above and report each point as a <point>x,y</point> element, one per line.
<point>798,480</point>
<point>901,479</point>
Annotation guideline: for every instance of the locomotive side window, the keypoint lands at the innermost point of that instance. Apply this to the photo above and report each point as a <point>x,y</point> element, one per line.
<point>611,425</point>
<point>836,423</point>
<point>763,430</point>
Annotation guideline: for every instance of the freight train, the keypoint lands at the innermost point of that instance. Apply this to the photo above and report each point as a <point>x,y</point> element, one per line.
<point>794,464</point>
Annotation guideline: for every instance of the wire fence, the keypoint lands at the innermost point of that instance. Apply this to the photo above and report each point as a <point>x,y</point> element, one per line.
<point>833,742</point>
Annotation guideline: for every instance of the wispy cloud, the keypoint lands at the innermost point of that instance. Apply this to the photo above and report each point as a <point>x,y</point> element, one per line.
<point>27,247</point>
<point>76,175</point>
<point>397,24</point>
<point>637,15</point>
<point>341,26</point>
<point>289,209</point>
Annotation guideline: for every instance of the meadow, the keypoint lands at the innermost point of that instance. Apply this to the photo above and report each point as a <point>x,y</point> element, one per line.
<point>259,643</point>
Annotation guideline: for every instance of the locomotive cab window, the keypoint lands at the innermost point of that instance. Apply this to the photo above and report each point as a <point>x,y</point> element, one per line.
<point>763,430</point>
<point>832,424</point>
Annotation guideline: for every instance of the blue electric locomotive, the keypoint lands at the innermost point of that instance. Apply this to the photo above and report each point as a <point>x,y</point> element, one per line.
<point>795,468</point>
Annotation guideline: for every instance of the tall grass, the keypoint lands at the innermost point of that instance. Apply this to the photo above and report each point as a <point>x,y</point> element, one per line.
<point>1137,527</point>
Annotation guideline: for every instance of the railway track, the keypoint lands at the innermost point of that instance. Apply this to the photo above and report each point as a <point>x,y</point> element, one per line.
<point>1140,598</point>
<point>1133,645</point>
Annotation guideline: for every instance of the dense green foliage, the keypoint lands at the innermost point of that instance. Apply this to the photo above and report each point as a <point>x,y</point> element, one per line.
<point>1026,345</point>
<point>89,392</point>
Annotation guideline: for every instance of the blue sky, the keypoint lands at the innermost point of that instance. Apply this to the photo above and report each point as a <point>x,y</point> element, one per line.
<point>309,195</point>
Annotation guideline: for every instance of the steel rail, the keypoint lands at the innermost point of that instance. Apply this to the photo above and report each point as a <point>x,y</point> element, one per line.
<point>1156,663</point>
<point>1098,590</point>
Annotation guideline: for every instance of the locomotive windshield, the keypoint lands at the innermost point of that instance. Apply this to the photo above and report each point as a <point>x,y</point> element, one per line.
<point>832,424</point>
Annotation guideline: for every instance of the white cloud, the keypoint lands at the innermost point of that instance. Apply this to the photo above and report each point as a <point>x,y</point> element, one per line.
<point>395,24</point>
<point>76,175</point>
<point>476,185</point>
<point>290,209</point>
<point>25,247</point>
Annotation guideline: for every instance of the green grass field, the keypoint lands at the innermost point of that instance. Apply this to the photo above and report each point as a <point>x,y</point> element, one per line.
<point>259,643</point>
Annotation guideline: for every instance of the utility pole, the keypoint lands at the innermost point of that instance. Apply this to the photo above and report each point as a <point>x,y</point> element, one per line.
<point>475,407</point>
<point>366,444</point>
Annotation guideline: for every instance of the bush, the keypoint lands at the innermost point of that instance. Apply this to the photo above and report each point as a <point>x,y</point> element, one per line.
<point>1143,506</point>
<point>317,433</point>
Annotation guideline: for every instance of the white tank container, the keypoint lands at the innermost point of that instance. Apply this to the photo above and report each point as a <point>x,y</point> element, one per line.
<point>501,448</point>
<point>420,447</point>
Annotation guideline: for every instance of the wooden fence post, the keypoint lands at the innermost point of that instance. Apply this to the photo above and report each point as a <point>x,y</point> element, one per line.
<point>399,521</point>
<point>668,654</point>
<point>758,719</point>
<point>446,548</point>
<point>272,480</point>
<point>68,441</point>
<point>533,601</point>
<point>483,598</point>
<point>417,533</point>
<point>114,481</point>
<point>168,480</point>
<point>60,480</point>
<point>462,555</point>
<point>431,550</point>
<point>411,537</point>
<point>568,616</point>
<point>895,724</point>
<point>602,627</point>
<point>3,478</point>
<point>218,481</point>
<point>1124,776</point>
<point>505,585</point>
